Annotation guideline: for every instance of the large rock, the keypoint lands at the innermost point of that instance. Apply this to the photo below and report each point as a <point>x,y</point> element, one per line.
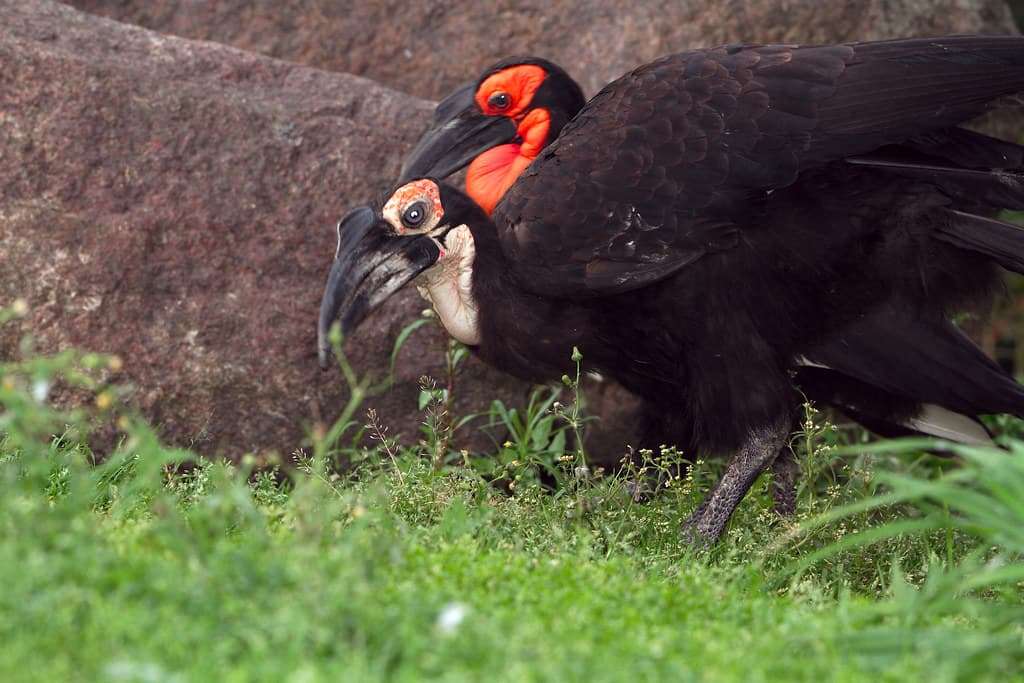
<point>426,47</point>
<point>173,202</point>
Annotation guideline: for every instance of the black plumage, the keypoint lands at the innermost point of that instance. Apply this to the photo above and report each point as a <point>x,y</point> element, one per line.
<point>719,225</point>
<point>669,162</point>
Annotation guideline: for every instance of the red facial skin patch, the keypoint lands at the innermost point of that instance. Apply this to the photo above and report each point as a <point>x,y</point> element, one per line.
<point>520,83</point>
<point>493,172</point>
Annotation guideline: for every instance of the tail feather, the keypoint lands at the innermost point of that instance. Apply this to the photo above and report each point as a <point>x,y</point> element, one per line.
<point>1002,242</point>
<point>898,372</point>
<point>883,412</point>
<point>978,176</point>
<point>926,361</point>
<point>993,188</point>
<point>968,149</point>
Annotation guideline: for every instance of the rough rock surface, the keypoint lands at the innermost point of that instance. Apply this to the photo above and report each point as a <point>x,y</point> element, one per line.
<point>173,202</point>
<point>426,47</point>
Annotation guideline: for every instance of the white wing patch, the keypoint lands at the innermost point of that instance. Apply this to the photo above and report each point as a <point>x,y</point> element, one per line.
<point>933,419</point>
<point>946,424</point>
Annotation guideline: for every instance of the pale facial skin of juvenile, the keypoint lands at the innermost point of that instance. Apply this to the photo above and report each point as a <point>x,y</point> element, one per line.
<point>447,285</point>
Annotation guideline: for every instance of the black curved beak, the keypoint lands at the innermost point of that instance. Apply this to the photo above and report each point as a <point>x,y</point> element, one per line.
<point>370,264</point>
<point>459,133</point>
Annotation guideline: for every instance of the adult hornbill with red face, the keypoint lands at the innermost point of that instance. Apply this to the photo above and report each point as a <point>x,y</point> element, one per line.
<point>713,220</point>
<point>500,123</point>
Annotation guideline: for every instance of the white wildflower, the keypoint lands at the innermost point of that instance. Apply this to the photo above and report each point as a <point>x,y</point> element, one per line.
<point>451,616</point>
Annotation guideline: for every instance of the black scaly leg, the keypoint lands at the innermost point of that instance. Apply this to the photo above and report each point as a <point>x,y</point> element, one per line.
<point>706,524</point>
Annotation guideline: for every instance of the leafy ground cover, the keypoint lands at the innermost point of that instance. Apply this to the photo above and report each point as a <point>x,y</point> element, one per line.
<point>426,563</point>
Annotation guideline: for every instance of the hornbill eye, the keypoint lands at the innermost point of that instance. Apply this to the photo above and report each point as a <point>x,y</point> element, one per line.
<point>499,100</point>
<point>414,215</point>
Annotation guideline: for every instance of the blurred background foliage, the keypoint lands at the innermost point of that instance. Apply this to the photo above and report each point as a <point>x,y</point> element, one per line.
<point>1018,10</point>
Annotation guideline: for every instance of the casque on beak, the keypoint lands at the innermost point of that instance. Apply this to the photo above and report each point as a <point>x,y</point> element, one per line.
<point>460,132</point>
<point>370,264</point>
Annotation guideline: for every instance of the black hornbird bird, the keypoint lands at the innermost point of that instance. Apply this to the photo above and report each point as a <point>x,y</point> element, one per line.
<point>711,221</point>
<point>500,123</point>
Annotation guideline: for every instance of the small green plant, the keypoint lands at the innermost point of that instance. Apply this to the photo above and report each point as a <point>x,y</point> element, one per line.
<point>154,564</point>
<point>435,403</point>
<point>572,416</point>
<point>338,444</point>
<point>538,435</point>
<point>535,442</point>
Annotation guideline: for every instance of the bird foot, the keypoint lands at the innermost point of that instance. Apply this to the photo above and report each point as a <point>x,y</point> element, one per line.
<point>698,532</point>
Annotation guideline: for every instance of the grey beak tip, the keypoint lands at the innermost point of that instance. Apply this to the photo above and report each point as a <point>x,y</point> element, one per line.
<point>323,348</point>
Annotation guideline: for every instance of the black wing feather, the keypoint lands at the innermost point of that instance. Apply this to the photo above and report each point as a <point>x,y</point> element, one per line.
<point>929,361</point>
<point>672,161</point>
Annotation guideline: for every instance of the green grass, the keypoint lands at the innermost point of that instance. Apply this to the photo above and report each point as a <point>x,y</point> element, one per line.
<point>428,564</point>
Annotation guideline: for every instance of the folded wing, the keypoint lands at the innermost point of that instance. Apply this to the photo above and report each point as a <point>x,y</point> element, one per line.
<point>676,159</point>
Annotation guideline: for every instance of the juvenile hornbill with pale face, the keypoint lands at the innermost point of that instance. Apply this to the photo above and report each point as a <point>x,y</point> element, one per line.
<point>713,222</point>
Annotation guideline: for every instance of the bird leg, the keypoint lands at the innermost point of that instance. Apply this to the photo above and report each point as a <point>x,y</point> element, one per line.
<point>785,470</point>
<point>706,524</point>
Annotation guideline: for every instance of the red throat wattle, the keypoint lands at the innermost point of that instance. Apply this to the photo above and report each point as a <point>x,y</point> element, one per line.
<point>493,172</point>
